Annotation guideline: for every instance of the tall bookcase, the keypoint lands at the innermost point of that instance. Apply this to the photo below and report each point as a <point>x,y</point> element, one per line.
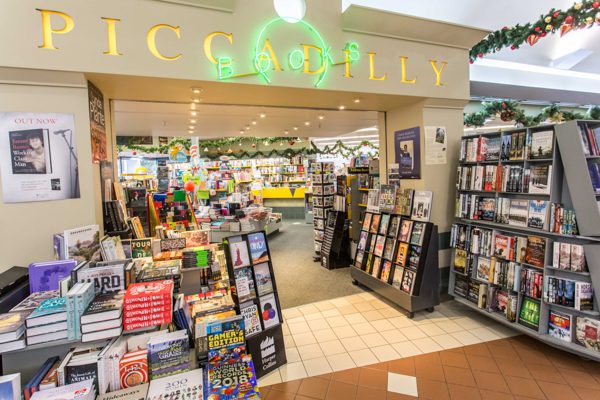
<point>532,302</point>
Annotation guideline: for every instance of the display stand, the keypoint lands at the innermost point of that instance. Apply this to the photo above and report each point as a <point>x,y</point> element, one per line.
<point>571,186</point>
<point>249,262</point>
<point>425,294</point>
<point>323,180</point>
<point>334,252</point>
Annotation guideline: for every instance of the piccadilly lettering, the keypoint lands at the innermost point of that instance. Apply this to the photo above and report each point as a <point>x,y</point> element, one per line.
<point>316,59</point>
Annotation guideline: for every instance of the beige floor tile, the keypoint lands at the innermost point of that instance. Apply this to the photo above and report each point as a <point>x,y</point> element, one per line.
<point>390,312</point>
<point>485,334</point>
<point>340,362</point>
<point>332,347</point>
<point>427,345</point>
<point>298,327</point>
<point>449,326</point>
<point>292,355</point>
<point>343,332</point>
<point>373,339</point>
<point>291,313</point>
<point>317,366</point>
<point>313,316</point>
<point>302,339</point>
<point>363,357</point>
<point>318,324</point>
<point>324,335</point>
<point>292,371</point>
<point>331,313</point>
<point>353,344</point>
<point>271,378</point>
<point>413,332</point>
<point>406,349</point>
<point>324,305</point>
<point>363,307</point>
<point>308,309</point>
<point>340,302</point>
<point>385,353</point>
<point>373,315</point>
<point>447,341</point>
<point>288,341</point>
<point>401,322</point>
<point>382,325</point>
<point>394,336</point>
<point>378,304</point>
<point>364,328</point>
<point>348,309</point>
<point>310,351</point>
<point>466,338</point>
<point>336,321</point>
<point>432,330</point>
<point>355,318</point>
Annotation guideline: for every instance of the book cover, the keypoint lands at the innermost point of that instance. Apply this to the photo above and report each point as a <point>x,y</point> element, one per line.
<point>367,221</point>
<point>10,387</point>
<point>46,276</point>
<point>460,261</point>
<point>386,269</point>
<point>107,276</point>
<point>417,233</point>
<point>584,296</point>
<point>251,318</point>
<point>12,324</point>
<point>402,255</point>
<point>494,145</point>
<point>373,201</point>
<point>83,244</point>
<point>538,214</point>
<point>539,179</point>
<point>184,386</point>
<point>264,282</point>
<point>141,248</point>
<point>414,257</point>
<point>394,226</point>
<point>388,251</point>
<point>405,230</point>
<point>404,202</point>
<point>379,245</point>
<point>258,248</point>
<point>564,256</point>
<point>269,311</point>
<point>104,307</point>
<point>133,393</point>
<point>559,326</point>
<point>376,268</point>
<point>168,354</point>
<point>518,212</point>
<point>30,152</point>
<point>408,281</point>
<point>375,223</point>
<point>541,145</point>
<point>81,371</point>
<point>529,314</point>
<point>235,380</point>
<point>112,248</point>
<point>578,258</point>
<point>362,241</point>
<point>588,333</point>
<point>238,250</point>
<point>506,146</point>
<point>75,391</point>
<point>397,277</point>
<point>536,250</point>
<point>387,198</point>
<point>521,249</point>
<point>384,224</point>
<point>54,306</point>
<point>244,283</point>
<point>504,246</point>
<point>421,205</point>
<point>487,208</point>
<point>484,266</point>
<point>32,301</point>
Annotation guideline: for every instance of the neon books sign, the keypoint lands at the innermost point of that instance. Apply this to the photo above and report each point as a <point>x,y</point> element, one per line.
<point>265,59</point>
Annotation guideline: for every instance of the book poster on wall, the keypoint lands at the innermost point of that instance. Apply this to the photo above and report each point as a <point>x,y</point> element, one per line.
<point>407,144</point>
<point>97,123</point>
<point>436,145</point>
<point>38,157</point>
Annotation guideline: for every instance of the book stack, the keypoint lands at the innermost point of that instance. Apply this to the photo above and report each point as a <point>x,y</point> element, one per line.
<point>12,329</point>
<point>103,318</point>
<point>77,391</point>
<point>230,371</point>
<point>78,298</point>
<point>148,304</point>
<point>168,354</point>
<point>196,258</point>
<point>48,322</point>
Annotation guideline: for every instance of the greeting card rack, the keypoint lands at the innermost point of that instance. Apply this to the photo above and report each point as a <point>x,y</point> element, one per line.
<point>254,290</point>
<point>412,280</point>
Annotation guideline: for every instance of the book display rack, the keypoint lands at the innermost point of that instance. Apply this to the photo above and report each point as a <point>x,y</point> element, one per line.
<point>397,257</point>
<point>334,252</point>
<point>323,189</point>
<point>358,192</point>
<point>520,254</point>
<point>254,293</point>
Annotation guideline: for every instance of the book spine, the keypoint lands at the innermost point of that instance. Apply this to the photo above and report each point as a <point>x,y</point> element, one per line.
<point>71,317</point>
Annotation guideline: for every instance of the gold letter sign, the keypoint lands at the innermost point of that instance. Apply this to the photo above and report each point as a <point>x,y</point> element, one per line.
<point>47,29</point>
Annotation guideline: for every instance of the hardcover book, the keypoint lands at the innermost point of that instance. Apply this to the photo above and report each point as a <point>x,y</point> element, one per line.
<point>538,214</point>
<point>34,300</point>
<point>83,244</point>
<point>539,179</point>
<point>588,333</point>
<point>536,250</point>
<point>421,205</point>
<point>49,311</point>
<point>238,250</point>
<point>504,247</point>
<point>560,326</point>
<point>184,386</point>
<point>112,248</point>
<point>578,258</point>
<point>518,212</point>
<point>541,145</point>
<point>269,311</point>
<point>252,325</point>
<point>460,261</point>
<point>244,283</point>
<point>264,282</point>
<point>46,276</point>
<point>258,248</point>
<point>12,326</point>
<point>141,248</point>
<point>104,307</point>
<point>133,393</point>
<point>417,233</point>
<point>107,276</point>
<point>168,354</point>
<point>75,391</point>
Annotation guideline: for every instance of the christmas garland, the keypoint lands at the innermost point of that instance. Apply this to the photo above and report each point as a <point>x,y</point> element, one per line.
<point>510,110</point>
<point>164,149</point>
<point>581,15</point>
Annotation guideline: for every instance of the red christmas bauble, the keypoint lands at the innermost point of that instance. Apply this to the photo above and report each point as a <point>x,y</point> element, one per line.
<point>253,145</point>
<point>505,28</point>
<point>513,47</point>
<point>543,34</point>
<point>480,55</point>
<point>596,4</point>
<point>538,29</point>
<point>556,14</point>
<point>470,61</point>
<point>569,19</point>
<point>134,153</point>
<point>189,186</point>
<point>503,105</point>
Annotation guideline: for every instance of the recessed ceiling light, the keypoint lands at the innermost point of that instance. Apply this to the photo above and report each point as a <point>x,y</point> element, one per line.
<point>192,121</point>
<point>263,115</point>
<point>190,131</point>
<point>241,131</point>
<point>307,123</point>
<point>341,107</point>
<point>357,100</point>
<point>321,116</point>
<point>193,113</point>
<point>295,128</point>
<point>196,90</point>
<point>191,126</point>
<point>196,100</point>
<point>253,122</point>
<point>287,132</point>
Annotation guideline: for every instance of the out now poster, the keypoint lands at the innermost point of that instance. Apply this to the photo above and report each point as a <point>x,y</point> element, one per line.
<point>407,144</point>
<point>97,123</point>
<point>38,157</point>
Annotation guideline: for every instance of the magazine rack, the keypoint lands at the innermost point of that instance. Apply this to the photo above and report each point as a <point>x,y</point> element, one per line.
<point>570,185</point>
<point>266,347</point>
<point>426,293</point>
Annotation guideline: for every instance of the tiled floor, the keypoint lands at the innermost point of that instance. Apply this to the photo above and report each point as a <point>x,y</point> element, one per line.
<point>362,329</point>
<point>516,368</point>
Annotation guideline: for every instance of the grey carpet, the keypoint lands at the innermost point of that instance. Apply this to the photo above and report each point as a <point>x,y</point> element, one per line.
<point>300,280</point>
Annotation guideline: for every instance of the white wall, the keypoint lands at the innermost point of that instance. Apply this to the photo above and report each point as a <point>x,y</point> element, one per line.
<point>26,229</point>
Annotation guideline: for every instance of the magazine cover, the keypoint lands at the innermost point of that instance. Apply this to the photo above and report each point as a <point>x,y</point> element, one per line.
<point>38,157</point>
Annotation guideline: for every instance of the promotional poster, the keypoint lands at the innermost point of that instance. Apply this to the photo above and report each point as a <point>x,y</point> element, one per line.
<point>38,157</point>
<point>407,144</point>
<point>97,123</point>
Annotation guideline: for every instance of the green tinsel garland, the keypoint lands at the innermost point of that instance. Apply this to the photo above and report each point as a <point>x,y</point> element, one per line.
<point>580,15</point>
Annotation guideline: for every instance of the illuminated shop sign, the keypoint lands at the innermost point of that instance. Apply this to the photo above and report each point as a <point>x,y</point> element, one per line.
<point>316,58</point>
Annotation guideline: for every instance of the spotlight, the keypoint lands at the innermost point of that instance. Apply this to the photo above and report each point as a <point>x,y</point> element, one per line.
<point>295,128</point>
<point>192,121</point>
<point>191,126</point>
<point>196,100</point>
<point>263,115</point>
<point>196,90</point>
<point>287,132</point>
<point>357,100</point>
<point>307,123</point>
<point>341,107</point>
<point>241,131</point>
<point>253,122</point>
<point>321,116</point>
<point>193,113</point>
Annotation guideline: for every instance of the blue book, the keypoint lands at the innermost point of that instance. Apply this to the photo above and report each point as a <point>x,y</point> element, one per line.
<point>48,312</point>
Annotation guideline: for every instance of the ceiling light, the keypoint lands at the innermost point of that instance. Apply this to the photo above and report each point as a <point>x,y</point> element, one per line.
<point>307,123</point>
<point>192,121</point>
<point>357,100</point>
<point>241,131</point>
<point>191,126</point>
<point>196,90</point>
<point>196,100</point>
<point>287,132</point>
<point>263,115</point>
<point>321,116</point>
<point>295,128</point>
<point>193,113</point>
<point>341,107</point>
<point>253,122</point>
<point>190,131</point>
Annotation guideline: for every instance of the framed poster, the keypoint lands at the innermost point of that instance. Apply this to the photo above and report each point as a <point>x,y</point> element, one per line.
<point>97,123</point>
<point>407,144</point>
<point>38,157</point>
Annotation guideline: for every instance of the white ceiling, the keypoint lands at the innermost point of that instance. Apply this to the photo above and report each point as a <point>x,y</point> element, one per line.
<point>135,118</point>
